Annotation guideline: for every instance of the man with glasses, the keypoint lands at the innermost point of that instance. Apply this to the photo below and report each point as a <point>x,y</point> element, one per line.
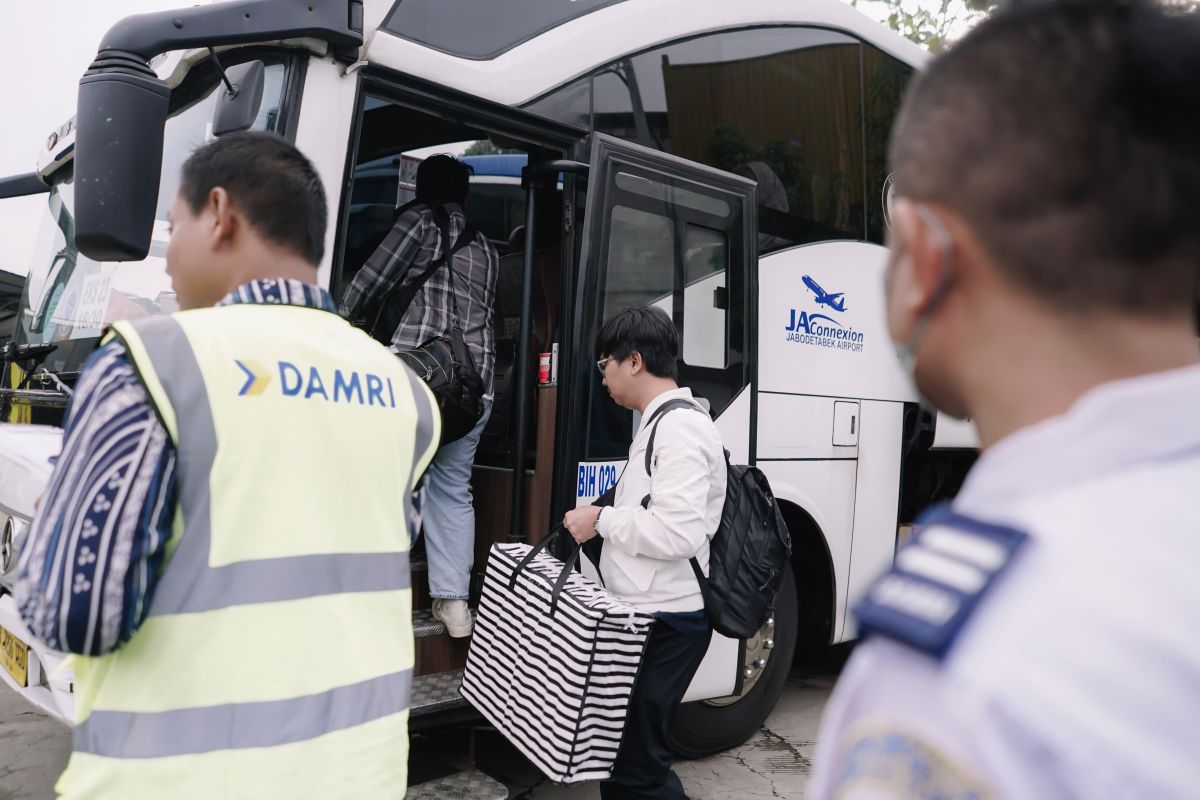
<point>1037,639</point>
<point>238,628</point>
<point>658,521</point>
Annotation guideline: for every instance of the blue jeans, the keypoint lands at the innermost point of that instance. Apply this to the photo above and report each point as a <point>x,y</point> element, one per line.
<point>448,516</point>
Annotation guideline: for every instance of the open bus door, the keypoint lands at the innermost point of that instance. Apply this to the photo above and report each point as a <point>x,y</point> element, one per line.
<point>663,231</point>
<point>658,230</point>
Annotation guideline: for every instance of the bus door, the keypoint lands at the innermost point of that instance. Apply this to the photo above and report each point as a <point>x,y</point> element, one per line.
<point>661,231</point>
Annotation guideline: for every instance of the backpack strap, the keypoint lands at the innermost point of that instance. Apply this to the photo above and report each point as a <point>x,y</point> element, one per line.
<point>441,218</point>
<point>938,580</point>
<point>402,210</point>
<point>655,418</point>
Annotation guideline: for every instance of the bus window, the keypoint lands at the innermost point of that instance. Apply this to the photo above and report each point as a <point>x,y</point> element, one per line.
<point>705,298</point>
<point>781,106</point>
<point>676,237</point>
<point>805,113</point>
<point>641,260</point>
<point>571,104</point>
<point>884,82</point>
<point>470,29</point>
<point>641,267</point>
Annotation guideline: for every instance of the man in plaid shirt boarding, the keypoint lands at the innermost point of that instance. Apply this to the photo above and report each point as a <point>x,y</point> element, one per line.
<point>467,298</point>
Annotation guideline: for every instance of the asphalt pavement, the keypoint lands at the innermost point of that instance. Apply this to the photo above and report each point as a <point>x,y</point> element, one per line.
<point>33,749</point>
<point>774,763</point>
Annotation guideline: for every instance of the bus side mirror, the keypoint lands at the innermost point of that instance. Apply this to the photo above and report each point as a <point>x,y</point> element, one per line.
<point>118,158</point>
<point>237,110</point>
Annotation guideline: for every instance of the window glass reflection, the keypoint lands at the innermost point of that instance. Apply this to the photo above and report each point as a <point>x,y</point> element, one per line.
<point>781,106</point>
<point>641,260</point>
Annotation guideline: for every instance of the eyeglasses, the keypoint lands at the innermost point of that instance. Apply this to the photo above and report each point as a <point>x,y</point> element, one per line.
<point>602,364</point>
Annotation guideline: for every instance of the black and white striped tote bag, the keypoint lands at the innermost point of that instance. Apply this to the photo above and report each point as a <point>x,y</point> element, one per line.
<point>553,660</point>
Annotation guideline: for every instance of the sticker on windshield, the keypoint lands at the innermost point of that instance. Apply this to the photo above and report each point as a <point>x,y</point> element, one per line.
<point>93,305</point>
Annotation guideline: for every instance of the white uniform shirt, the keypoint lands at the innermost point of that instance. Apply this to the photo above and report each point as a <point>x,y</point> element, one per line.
<point>646,550</point>
<point>1078,674</point>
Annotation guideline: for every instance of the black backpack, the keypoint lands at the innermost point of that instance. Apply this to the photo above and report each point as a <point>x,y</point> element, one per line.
<point>443,362</point>
<point>747,554</point>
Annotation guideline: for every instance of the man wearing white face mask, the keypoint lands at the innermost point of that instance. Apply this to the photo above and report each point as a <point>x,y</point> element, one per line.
<point>1037,639</point>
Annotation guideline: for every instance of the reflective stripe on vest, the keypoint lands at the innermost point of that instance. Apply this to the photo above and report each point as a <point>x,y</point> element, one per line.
<point>268,593</point>
<point>120,734</point>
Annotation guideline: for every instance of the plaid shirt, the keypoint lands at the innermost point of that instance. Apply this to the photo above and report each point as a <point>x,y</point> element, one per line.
<point>411,245</point>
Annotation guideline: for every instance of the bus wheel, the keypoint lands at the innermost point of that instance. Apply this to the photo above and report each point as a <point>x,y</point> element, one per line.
<point>705,727</point>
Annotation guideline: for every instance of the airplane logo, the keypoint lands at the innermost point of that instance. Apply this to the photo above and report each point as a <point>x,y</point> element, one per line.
<point>835,301</point>
<point>257,379</point>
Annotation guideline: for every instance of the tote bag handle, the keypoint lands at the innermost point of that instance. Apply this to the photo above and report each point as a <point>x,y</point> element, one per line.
<point>568,565</point>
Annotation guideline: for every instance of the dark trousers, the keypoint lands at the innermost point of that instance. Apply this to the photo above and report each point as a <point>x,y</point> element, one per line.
<point>643,766</point>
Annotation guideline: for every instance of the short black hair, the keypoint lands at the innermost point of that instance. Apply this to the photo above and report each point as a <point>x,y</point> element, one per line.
<point>442,179</point>
<point>271,182</point>
<point>1067,134</point>
<point>648,331</point>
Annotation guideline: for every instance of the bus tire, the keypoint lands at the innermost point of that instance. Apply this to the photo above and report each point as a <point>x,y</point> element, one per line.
<point>705,727</point>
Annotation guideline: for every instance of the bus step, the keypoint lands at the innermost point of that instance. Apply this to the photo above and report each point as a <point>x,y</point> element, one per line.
<point>469,785</point>
<point>436,692</point>
<point>425,626</point>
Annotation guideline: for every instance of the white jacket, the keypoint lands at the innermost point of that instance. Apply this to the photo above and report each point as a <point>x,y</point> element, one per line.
<point>646,551</point>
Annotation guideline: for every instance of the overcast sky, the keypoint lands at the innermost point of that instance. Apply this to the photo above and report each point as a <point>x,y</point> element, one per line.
<point>49,45</point>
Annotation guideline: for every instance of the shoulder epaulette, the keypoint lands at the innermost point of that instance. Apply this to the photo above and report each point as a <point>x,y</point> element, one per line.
<point>938,580</point>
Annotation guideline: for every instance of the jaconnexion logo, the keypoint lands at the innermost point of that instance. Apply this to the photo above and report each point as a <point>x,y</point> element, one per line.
<point>820,330</point>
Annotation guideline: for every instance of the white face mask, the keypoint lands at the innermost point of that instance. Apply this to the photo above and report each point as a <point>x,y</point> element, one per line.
<point>907,351</point>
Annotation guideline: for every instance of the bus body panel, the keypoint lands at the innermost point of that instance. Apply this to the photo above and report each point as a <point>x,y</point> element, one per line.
<point>954,434</point>
<point>717,674</point>
<point>734,427</point>
<point>832,402</point>
<point>831,341</point>
<point>876,501</point>
<point>574,48</point>
<point>826,491</point>
<point>799,428</point>
<point>326,115</point>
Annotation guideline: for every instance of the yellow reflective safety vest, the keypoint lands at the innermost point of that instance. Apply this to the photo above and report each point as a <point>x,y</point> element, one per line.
<point>276,657</point>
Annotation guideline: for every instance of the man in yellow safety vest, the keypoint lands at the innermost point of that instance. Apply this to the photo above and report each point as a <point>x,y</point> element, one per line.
<point>223,544</point>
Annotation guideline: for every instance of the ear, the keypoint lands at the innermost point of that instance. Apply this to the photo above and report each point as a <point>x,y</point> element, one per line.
<point>224,215</point>
<point>636,364</point>
<point>926,255</point>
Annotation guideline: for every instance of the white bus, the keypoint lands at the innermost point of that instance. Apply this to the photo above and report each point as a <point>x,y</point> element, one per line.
<point>723,160</point>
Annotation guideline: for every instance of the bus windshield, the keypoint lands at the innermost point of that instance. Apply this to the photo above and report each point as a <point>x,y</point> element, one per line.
<point>71,298</point>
